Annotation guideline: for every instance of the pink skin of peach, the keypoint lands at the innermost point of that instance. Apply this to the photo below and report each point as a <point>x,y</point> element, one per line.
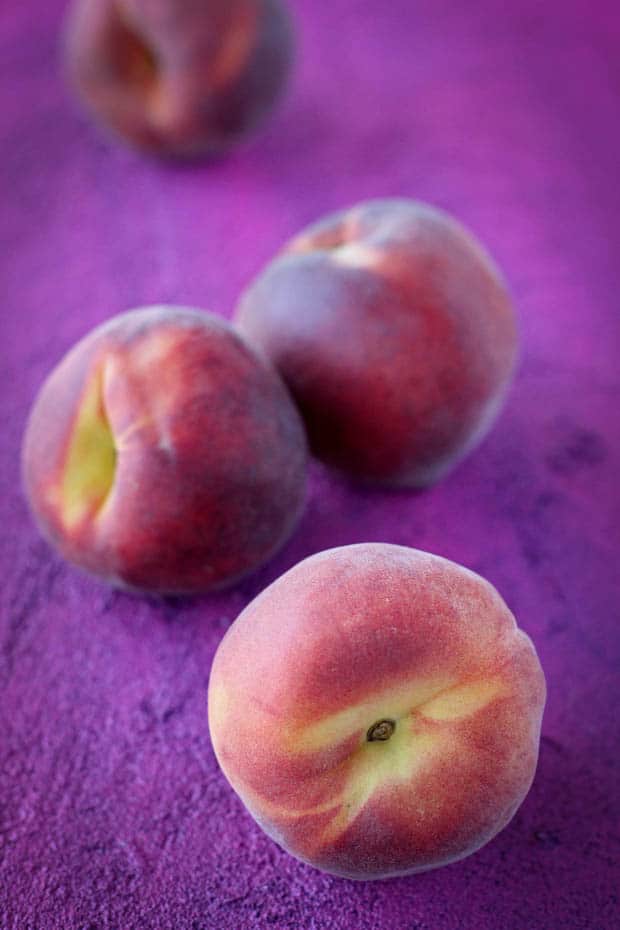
<point>163,455</point>
<point>179,77</point>
<point>395,334</point>
<point>378,711</point>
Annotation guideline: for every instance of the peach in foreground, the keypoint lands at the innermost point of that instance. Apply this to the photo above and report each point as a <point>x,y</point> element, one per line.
<point>162,454</point>
<point>377,710</point>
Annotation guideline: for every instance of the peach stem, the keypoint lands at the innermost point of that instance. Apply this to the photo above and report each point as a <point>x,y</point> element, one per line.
<point>381,730</point>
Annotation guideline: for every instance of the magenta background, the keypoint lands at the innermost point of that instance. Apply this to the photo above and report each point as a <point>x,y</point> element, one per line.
<point>113,814</point>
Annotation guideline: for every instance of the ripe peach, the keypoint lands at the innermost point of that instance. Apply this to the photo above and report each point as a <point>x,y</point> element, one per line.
<point>395,333</point>
<point>377,710</point>
<point>180,77</point>
<point>163,454</point>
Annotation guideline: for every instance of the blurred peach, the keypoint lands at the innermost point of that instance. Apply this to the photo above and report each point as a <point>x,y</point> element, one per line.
<point>179,77</point>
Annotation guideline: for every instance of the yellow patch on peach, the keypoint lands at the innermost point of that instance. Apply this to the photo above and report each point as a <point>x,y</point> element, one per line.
<point>358,255</point>
<point>279,813</point>
<point>219,708</point>
<point>90,464</point>
<point>462,700</point>
<point>392,703</point>
<point>148,364</point>
<point>152,348</point>
<point>332,238</point>
<point>416,713</point>
<point>377,764</point>
<point>410,746</point>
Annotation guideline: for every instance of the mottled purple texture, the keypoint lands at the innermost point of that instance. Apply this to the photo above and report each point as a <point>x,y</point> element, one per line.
<point>113,814</point>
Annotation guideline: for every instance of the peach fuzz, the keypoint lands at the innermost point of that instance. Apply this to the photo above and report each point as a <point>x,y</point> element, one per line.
<point>395,334</point>
<point>163,455</point>
<point>179,77</point>
<point>377,710</point>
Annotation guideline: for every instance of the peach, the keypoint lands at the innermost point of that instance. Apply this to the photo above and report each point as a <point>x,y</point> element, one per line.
<point>162,454</point>
<point>179,77</point>
<point>377,710</point>
<point>395,333</point>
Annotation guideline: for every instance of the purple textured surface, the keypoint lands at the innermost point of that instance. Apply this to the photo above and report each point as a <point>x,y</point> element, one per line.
<point>113,814</point>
